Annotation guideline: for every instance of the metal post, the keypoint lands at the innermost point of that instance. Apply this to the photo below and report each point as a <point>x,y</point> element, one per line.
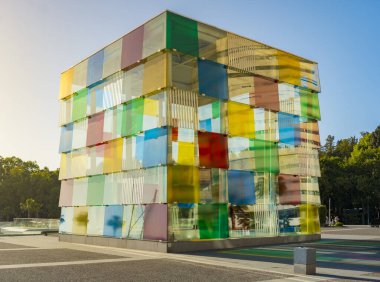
<point>329,212</point>
<point>304,260</point>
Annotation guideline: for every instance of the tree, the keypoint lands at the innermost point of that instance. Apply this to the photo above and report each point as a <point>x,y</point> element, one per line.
<point>30,205</point>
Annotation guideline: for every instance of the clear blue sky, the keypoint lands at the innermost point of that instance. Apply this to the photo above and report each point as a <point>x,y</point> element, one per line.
<point>41,38</point>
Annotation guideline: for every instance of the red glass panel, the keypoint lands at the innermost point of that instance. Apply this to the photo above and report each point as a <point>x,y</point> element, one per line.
<point>212,150</point>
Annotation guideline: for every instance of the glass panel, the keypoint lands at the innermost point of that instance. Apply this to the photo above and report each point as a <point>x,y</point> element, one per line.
<point>132,47</point>
<point>95,129</point>
<point>133,82</point>
<point>289,189</point>
<point>154,35</point>
<point>289,68</point>
<point>266,155</point>
<point>310,191</point>
<point>65,166</point>
<point>79,163</point>
<point>289,97</point>
<point>113,91</point>
<point>132,187</point>
<point>134,117</point>
<point>80,76</point>
<point>95,68</point>
<point>113,189</point>
<point>266,188</point>
<point>289,131</point>
<point>155,184</point>
<point>182,146</point>
<point>95,220</point>
<point>242,221</point>
<point>184,71</point>
<point>239,154</point>
<point>310,133</point>
<point>288,219</point>
<point>95,101</point>
<point>155,140</point>
<point>241,120</point>
<point>113,152</point>
<point>133,149</point>
<point>66,195</point>
<point>209,41</point>
<point>266,125</point>
<point>113,221</point>
<point>266,220</point>
<point>80,104</point>
<point>213,185</point>
<point>66,220</point>
<point>154,111</point>
<point>212,79</point>
<point>65,87</point>
<point>240,86</point>
<point>95,190</point>
<point>154,74</point>
<point>80,134</point>
<point>212,115</point>
<point>183,184</point>
<point>309,104</point>
<point>155,222</point>
<point>134,215</point>
<point>213,221</point>
<point>65,144</point>
<point>266,94</point>
<point>66,108</point>
<point>241,187</point>
<point>182,34</point>
<point>309,219</point>
<point>80,192</point>
<point>182,109</point>
<point>212,150</point>
<point>183,222</point>
<point>114,123</point>
<point>112,58</point>
<point>95,160</point>
<point>80,220</point>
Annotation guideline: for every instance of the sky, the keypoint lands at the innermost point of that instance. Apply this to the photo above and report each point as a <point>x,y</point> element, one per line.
<point>41,38</point>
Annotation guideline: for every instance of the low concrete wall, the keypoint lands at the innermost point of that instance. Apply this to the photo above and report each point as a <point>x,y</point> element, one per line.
<point>186,246</point>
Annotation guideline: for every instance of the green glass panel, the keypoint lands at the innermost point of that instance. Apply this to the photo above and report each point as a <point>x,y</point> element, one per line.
<point>213,221</point>
<point>80,104</point>
<point>182,34</point>
<point>95,190</point>
<point>134,113</point>
<point>266,155</point>
<point>309,104</point>
<point>216,109</point>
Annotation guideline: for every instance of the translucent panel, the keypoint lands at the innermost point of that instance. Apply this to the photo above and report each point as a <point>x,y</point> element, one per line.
<point>289,219</point>
<point>240,86</point>
<point>95,160</point>
<point>210,40</point>
<point>114,123</point>
<point>289,98</point>
<point>155,222</point>
<point>95,101</point>
<point>239,154</point>
<point>266,125</point>
<point>241,187</point>
<point>80,192</point>
<point>66,195</point>
<point>113,93</point>
<point>80,220</point>
<point>80,104</point>
<point>155,140</point>
<point>65,166</point>
<point>65,87</point>
<point>66,220</point>
<point>309,219</point>
<point>289,68</point>
<point>241,120</point>
<point>79,163</point>
<point>112,58</point>
<point>310,191</point>
<point>266,155</point>
<point>65,144</point>
<point>113,152</point>
<point>212,150</point>
<point>80,134</point>
<point>289,189</point>
<point>242,221</point>
<point>184,71</point>
<point>212,79</point>
<point>134,221</point>
<point>309,75</point>
<point>95,129</point>
<point>212,115</point>
<point>154,35</point>
<point>133,82</point>
<point>309,104</point>
<point>133,149</point>
<point>289,131</point>
<point>113,221</point>
<point>66,108</point>
<point>132,47</point>
<point>213,185</point>
<point>113,189</point>
<point>266,188</point>
<point>183,184</point>
<point>132,187</point>
<point>182,109</point>
<point>266,94</point>
<point>80,76</point>
<point>310,133</point>
<point>154,74</point>
<point>182,34</point>
<point>95,190</point>
<point>266,220</point>
<point>183,222</point>
<point>155,111</point>
<point>213,221</point>
<point>95,224</point>
<point>134,117</point>
<point>95,68</point>
<point>182,146</point>
<point>155,183</point>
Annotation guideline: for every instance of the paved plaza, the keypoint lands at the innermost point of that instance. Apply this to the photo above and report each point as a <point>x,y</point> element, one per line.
<point>347,254</point>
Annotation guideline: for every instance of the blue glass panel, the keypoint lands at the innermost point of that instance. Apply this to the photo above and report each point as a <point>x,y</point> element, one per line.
<point>205,125</point>
<point>113,221</point>
<point>288,126</point>
<point>241,187</point>
<point>155,142</point>
<point>66,141</point>
<point>212,79</point>
<point>95,68</point>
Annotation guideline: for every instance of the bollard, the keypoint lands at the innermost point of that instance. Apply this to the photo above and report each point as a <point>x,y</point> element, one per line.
<point>304,260</point>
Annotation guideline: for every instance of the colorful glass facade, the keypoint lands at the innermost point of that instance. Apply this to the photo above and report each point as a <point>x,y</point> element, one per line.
<point>183,131</point>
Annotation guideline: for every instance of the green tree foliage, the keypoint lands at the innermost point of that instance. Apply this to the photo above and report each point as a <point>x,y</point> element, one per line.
<point>31,206</point>
<point>350,174</point>
<point>20,181</point>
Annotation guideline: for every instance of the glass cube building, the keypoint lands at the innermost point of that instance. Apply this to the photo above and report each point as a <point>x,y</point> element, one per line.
<point>181,131</point>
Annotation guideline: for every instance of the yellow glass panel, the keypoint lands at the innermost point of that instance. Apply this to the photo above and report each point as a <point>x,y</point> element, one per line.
<point>186,153</point>
<point>113,154</point>
<point>240,120</point>
<point>154,74</point>
<point>183,184</point>
<point>80,220</point>
<point>65,168</point>
<point>290,69</point>
<point>151,107</point>
<point>309,219</point>
<point>65,87</point>
<point>79,163</point>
